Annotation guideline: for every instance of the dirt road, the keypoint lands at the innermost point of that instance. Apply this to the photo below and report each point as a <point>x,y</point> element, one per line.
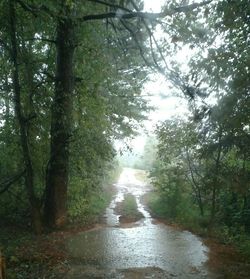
<point>147,249</point>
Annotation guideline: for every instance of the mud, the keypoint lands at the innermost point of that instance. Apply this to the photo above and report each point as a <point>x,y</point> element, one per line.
<point>148,249</point>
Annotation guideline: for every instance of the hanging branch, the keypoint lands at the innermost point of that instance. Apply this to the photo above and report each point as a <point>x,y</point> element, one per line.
<point>174,77</point>
<point>5,185</point>
<point>111,5</point>
<point>36,9</point>
<point>121,13</point>
<point>145,15</point>
<point>137,42</point>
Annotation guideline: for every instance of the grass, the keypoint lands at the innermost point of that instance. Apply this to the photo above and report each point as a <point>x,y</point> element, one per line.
<point>183,214</point>
<point>229,254</point>
<point>128,210</point>
<point>156,205</point>
<point>89,210</point>
<point>29,257</point>
<point>99,201</point>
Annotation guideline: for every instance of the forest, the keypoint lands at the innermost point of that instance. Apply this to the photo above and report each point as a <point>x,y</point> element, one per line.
<point>201,161</point>
<point>71,85</point>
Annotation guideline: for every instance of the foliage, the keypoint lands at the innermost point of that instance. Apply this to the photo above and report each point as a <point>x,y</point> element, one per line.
<point>203,161</point>
<point>106,102</point>
<point>146,161</point>
<point>86,203</point>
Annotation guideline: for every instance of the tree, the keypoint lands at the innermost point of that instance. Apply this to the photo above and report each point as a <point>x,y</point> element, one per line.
<point>23,123</point>
<point>57,180</point>
<point>120,31</point>
<point>215,149</point>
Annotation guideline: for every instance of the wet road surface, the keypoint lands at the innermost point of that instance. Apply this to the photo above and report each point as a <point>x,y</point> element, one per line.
<point>148,249</point>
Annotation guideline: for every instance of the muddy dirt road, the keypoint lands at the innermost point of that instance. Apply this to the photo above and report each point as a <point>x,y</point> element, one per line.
<point>147,249</point>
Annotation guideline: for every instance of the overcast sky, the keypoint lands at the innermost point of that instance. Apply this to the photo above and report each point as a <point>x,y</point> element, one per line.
<point>157,87</point>
<point>153,5</point>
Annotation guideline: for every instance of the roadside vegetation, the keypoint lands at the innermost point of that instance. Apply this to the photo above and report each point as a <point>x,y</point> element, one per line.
<point>29,257</point>
<point>201,167</point>
<point>72,77</point>
<point>229,253</point>
<point>88,207</point>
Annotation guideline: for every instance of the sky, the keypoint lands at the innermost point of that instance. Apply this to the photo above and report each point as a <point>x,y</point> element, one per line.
<point>153,5</point>
<point>156,87</point>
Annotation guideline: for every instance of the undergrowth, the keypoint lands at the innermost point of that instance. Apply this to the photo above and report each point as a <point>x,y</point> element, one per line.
<point>188,217</point>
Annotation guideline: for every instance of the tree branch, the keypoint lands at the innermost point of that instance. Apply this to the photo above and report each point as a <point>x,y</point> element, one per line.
<point>42,40</point>
<point>151,16</point>
<point>111,5</point>
<point>35,9</point>
<point>145,15</point>
<point>5,185</point>
<point>28,7</point>
<point>121,13</point>
<point>173,76</point>
<point>137,43</point>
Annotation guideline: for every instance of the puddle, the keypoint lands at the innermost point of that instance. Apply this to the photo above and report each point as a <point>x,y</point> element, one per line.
<point>147,246</point>
<point>128,184</point>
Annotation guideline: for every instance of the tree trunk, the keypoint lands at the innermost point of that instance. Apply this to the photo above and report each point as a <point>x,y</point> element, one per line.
<point>29,176</point>
<point>216,178</point>
<point>195,185</point>
<point>2,266</point>
<point>214,186</point>
<point>55,210</point>
<point>200,203</point>
<point>245,214</point>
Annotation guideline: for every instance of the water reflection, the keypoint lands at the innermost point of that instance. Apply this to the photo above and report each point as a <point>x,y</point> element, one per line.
<point>180,253</point>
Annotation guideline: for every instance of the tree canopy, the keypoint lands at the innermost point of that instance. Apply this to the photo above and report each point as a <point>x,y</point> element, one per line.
<point>71,82</point>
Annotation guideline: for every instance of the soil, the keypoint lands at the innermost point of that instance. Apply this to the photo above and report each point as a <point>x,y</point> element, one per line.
<point>47,256</point>
<point>226,260</point>
<point>126,219</point>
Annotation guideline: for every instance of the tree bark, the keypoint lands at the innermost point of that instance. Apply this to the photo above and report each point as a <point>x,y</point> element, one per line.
<point>23,128</point>
<point>55,209</point>
<point>2,266</point>
<point>195,185</point>
<point>215,177</point>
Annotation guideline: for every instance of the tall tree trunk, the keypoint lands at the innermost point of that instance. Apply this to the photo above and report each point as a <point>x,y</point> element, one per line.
<point>55,210</point>
<point>216,178</point>
<point>195,185</point>
<point>23,125</point>
<point>246,213</point>
<point>2,266</point>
